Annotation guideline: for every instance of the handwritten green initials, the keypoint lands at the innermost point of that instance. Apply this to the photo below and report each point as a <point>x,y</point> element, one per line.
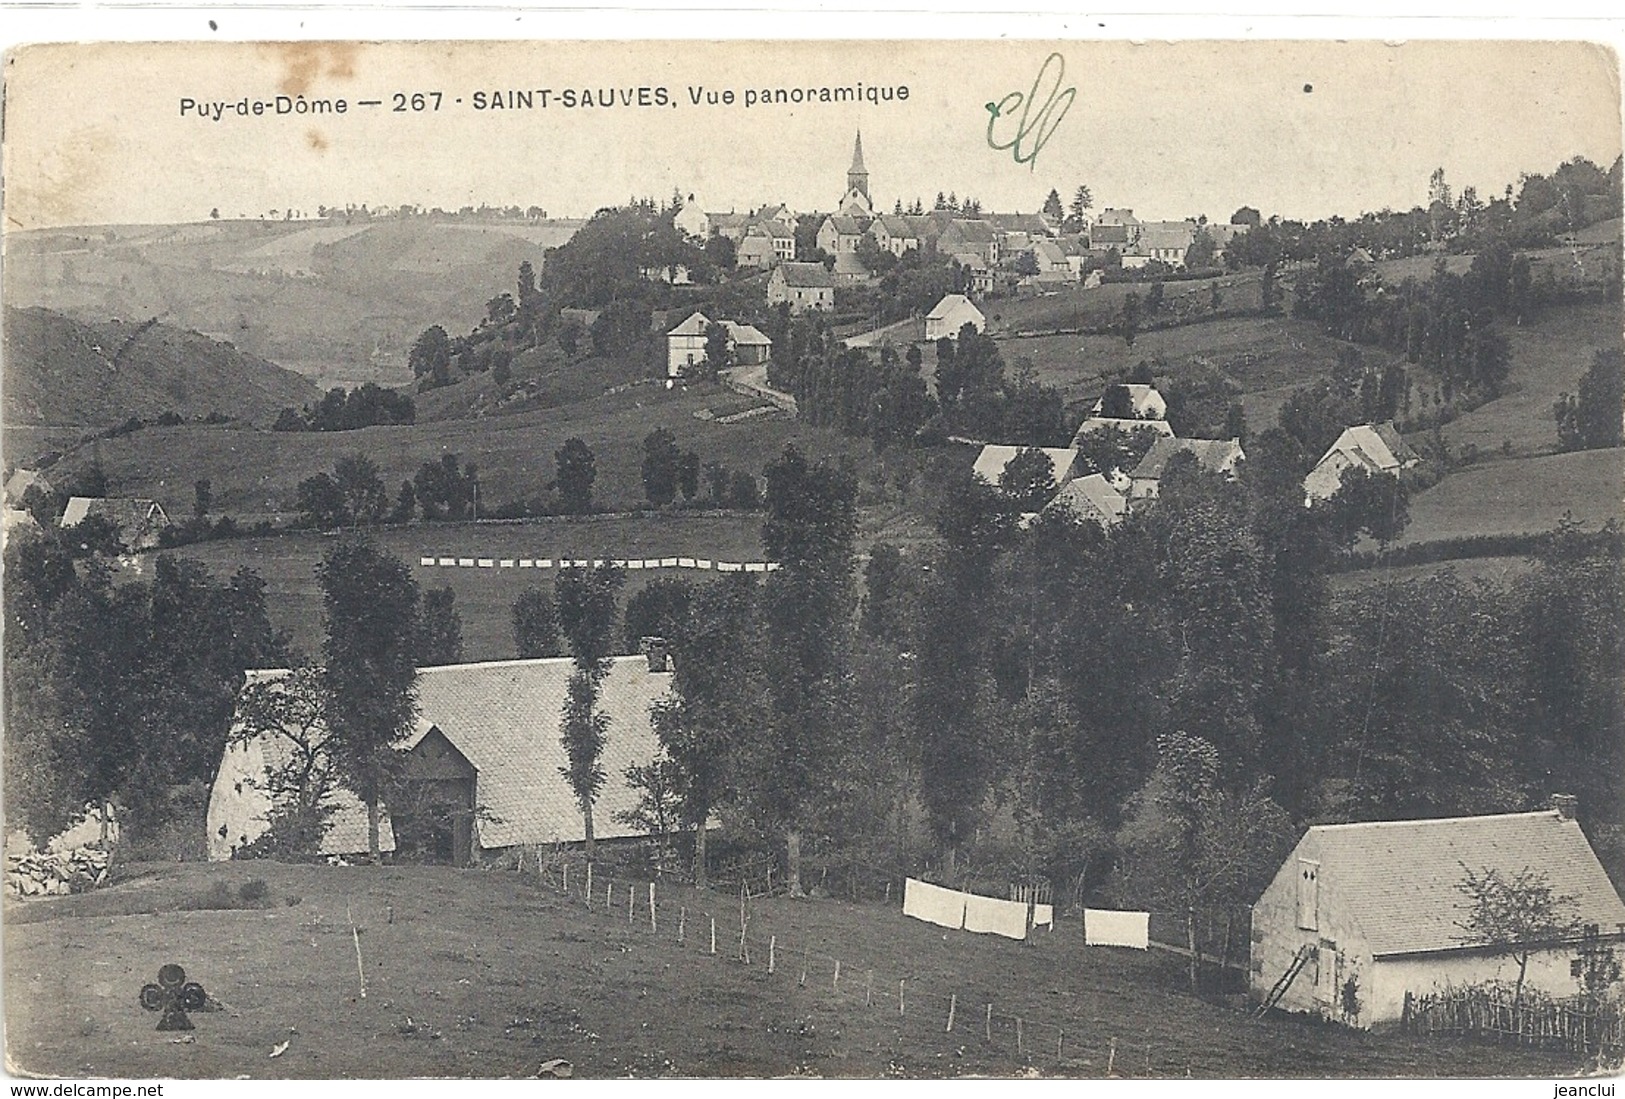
<point>1037,121</point>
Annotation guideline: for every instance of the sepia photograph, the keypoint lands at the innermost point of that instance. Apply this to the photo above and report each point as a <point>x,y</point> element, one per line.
<point>897,559</point>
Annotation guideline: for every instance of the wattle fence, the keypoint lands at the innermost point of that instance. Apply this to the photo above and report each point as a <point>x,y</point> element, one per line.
<point>1491,1014</point>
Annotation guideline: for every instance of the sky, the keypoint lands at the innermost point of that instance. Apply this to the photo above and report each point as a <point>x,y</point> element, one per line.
<point>96,134</point>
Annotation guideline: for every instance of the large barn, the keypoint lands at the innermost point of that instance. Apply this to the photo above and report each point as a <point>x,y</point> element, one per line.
<point>1373,911</point>
<point>483,766</point>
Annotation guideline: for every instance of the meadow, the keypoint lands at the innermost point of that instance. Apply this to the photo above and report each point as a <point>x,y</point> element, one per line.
<point>472,973</point>
<point>1520,495</point>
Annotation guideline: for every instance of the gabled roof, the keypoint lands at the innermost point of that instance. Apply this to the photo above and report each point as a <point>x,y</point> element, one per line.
<point>1157,235</point>
<point>1213,455</point>
<point>898,226</point>
<point>695,325</point>
<point>949,304</point>
<point>849,225</point>
<point>991,461</point>
<point>1378,446</point>
<point>746,334</point>
<point>1020,223</point>
<point>729,220</point>
<point>1050,250</point>
<point>805,274</point>
<point>1142,397</point>
<point>1108,235</point>
<point>1090,497</point>
<point>22,479</point>
<point>972,230</point>
<point>504,717</point>
<point>1111,216</point>
<point>1101,423</point>
<point>126,513</point>
<point>1398,879</point>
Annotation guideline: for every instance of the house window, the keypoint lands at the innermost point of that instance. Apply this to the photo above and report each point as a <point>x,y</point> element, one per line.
<point>1308,895</point>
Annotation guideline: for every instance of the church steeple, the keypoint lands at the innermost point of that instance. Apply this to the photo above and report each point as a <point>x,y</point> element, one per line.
<point>857,176</point>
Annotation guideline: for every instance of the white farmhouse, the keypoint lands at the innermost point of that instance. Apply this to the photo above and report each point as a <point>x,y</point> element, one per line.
<point>951,314</point>
<point>1378,448</point>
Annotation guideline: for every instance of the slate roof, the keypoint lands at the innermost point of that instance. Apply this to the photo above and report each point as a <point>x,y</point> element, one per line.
<point>1211,454</point>
<point>991,461</point>
<point>972,230</point>
<point>1143,397</point>
<point>746,334</point>
<point>948,304</point>
<point>505,718</point>
<point>898,226</point>
<point>20,481</point>
<point>1112,216</point>
<point>137,520</point>
<point>1109,236</point>
<point>1379,446</point>
<point>695,325</point>
<point>849,225</point>
<point>1090,497</point>
<point>1020,223</point>
<point>805,274</point>
<point>1155,235</point>
<point>1398,879</point>
<point>1101,423</point>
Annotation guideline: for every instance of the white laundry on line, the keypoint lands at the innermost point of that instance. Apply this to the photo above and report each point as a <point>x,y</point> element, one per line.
<point>1106,927</point>
<point>933,904</point>
<point>993,916</point>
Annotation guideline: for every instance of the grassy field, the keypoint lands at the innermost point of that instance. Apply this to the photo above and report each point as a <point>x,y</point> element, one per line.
<point>1264,357</point>
<point>1548,358</point>
<point>1076,307</point>
<point>485,596</point>
<point>257,473</point>
<point>1520,495</point>
<point>481,974</point>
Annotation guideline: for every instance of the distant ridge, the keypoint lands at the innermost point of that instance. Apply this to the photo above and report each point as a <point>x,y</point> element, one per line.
<point>59,371</point>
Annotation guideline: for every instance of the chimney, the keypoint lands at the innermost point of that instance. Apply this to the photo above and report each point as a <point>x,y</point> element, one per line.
<point>1565,806</point>
<point>656,650</point>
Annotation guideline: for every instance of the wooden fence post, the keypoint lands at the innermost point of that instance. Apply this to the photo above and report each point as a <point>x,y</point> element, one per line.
<point>900,1010</point>
<point>589,885</point>
<point>713,934</point>
<point>1060,1036</point>
<point>988,1025</point>
<point>566,873</point>
<point>772,952</point>
<point>682,920</point>
<point>869,989</point>
<point>1019,1049</point>
<point>805,953</point>
<point>953,1002</point>
<point>837,984</point>
<point>1111,1057</point>
<point>652,925</point>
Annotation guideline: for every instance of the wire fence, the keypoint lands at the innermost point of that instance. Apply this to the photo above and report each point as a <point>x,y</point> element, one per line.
<point>922,1007</point>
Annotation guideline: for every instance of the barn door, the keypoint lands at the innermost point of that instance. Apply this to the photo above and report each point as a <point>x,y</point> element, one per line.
<point>1308,895</point>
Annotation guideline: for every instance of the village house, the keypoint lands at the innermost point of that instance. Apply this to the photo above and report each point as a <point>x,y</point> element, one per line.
<point>755,251</point>
<point>138,522</point>
<point>1220,456</point>
<point>1050,257</point>
<point>895,234</point>
<point>685,344</point>
<point>1378,448</point>
<point>481,767</point>
<point>1118,229</point>
<point>21,480</point>
<point>16,521</point>
<point>1366,913</point>
<point>1143,399</point>
<point>990,463</point>
<point>840,233</point>
<point>692,221</point>
<point>979,273</point>
<point>1160,242</point>
<point>730,225</point>
<point>1090,499</point>
<point>970,237</point>
<point>803,285</point>
<point>951,314</point>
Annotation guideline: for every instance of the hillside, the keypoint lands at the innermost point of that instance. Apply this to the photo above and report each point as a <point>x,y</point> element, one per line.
<point>62,372</point>
<point>479,974</point>
<point>338,301</point>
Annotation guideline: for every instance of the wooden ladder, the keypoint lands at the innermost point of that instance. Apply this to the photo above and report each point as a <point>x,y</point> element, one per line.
<point>1299,960</point>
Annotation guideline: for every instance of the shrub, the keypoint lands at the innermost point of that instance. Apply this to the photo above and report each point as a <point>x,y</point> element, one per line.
<point>254,889</point>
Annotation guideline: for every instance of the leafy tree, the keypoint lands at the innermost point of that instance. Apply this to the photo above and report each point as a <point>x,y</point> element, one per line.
<point>723,253</point>
<point>743,492</point>
<point>718,354</point>
<point>586,605</point>
<point>660,461</point>
<point>1189,844</point>
<point>1199,255</point>
<point>1028,479</point>
<point>1368,502</point>
<point>809,529</point>
<point>1517,913</point>
<point>1248,216</point>
<point>662,608</point>
<point>202,498</point>
<point>1117,403</point>
<point>321,503</point>
<point>300,779</point>
<point>1154,299</point>
<point>688,475</point>
<point>370,600</point>
<point>445,489</point>
<point>366,501</point>
<point>659,787</point>
<point>1130,323</point>
<point>536,626</point>
<point>431,353</point>
<point>439,629</point>
<point>576,471</point>
<point>406,504</point>
<point>1591,420</point>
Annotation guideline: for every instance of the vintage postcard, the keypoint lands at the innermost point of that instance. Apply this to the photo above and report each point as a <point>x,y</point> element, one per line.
<point>874,559</point>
